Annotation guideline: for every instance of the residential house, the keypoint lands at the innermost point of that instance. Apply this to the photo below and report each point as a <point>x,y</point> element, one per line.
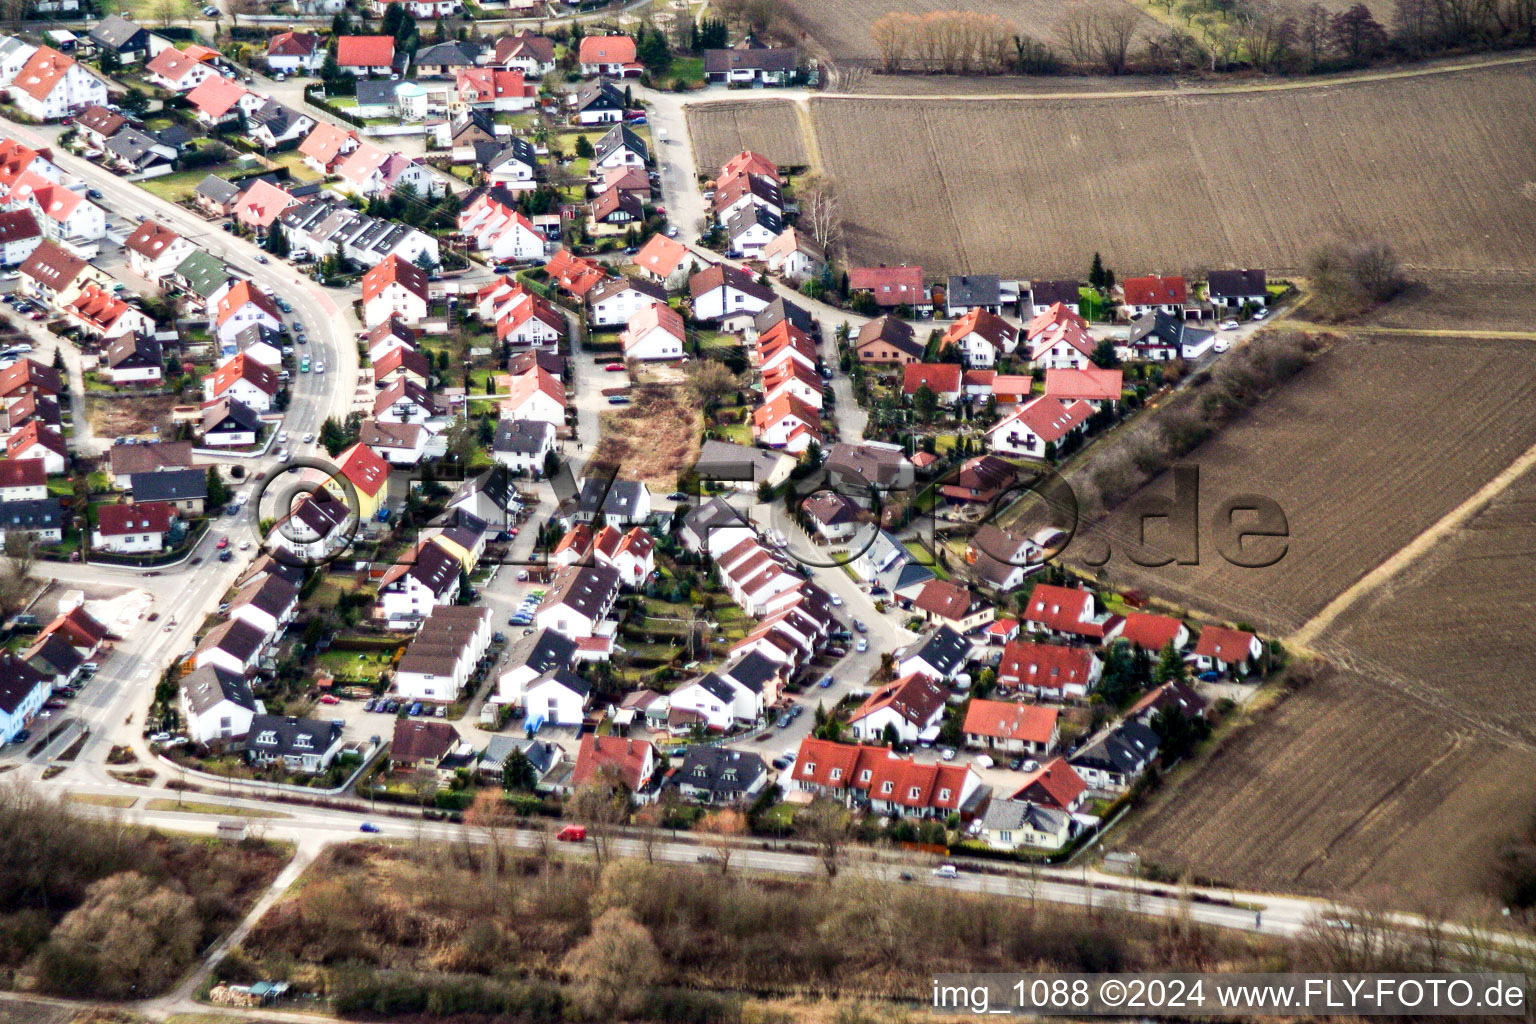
<point>514,166</point>
<point>276,127</point>
<point>558,696</point>
<point>441,60</point>
<point>892,287</point>
<point>229,423</point>
<point>1001,561</point>
<point>1160,336</point>
<point>655,331</point>
<point>233,645</point>
<point>610,56</point>
<point>65,216</point>
<point>980,480</point>
<point>617,299</point>
<point>1151,632</point>
<point>523,445</point>
<point>531,657</point>
<point>135,153</point>
<point>666,261</point>
<point>614,211</point>
<point>491,219</point>
<point>94,126</point>
<point>746,191</point>
<point>1009,727</point>
<point>441,658</point>
<point>1015,824</point>
<point>574,275</point>
<point>1045,294</point>
<point>906,710</point>
<point>215,196</point>
<point>721,291</point>
<point>293,53</point>
<point>126,39</point>
<point>886,339</point>
<point>602,760</point>
<point>185,490</point>
<point>942,379</point>
<point>1233,651</point>
<point>326,146</point>
<point>134,358</point>
<point>719,776</point>
<point>426,576</point>
<point>833,515</point>
<point>1069,612</point>
<point>498,89</point>
<point>940,654</point>
<point>155,251</point>
<point>24,480</point>
<point>1092,385</point>
<point>241,306</point>
<point>51,86</point>
<point>741,467</point>
<point>369,171</point>
<point>40,520</point>
<point>1055,785</point>
<point>966,292</point>
<point>758,66</point>
<point>268,603</point>
<point>222,100</point>
<point>1234,289</point>
<point>885,782</point>
<point>533,55</point>
<point>619,147</point>
<point>716,703</point>
<point>179,70</point>
<point>27,378</point>
<point>365,55</point>
<point>1049,671</point>
<point>401,363</point>
<point>245,380</point>
<point>302,745</point>
<point>101,314</point>
<point>621,502</point>
<point>399,444</point>
<point>407,402</point>
<point>793,256</point>
<point>125,460</point>
<point>749,230</point>
<point>218,706</point>
<point>394,289</point>
<point>20,236</point>
<point>369,476</point>
<point>598,103</point>
<point>787,422</point>
<point>35,441</point>
<point>792,378</point>
<point>981,337</point>
<point>1059,339</point>
<point>419,744</point>
<point>23,691</point>
<point>578,599</point>
<point>942,602</point>
<point>1175,696</point>
<point>537,396</point>
<point>1112,763</point>
<point>1143,295</point>
<point>1037,428</point>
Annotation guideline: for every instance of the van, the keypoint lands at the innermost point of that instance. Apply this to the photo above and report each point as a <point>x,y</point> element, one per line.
<point>572,834</point>
<point>983,761</point>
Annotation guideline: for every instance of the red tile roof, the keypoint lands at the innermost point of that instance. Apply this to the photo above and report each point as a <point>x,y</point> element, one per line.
<point>661,255</point>
<point>1149,632</point>
<point>1044,666</point>
<point>572,273</point>
<point>1056,784</point>
<point>362,465</point>
<point>1154,291</point>
<point>365,51</point>
<point>34,435</point>
<point>891,286</point>
<point>1009,720</point>
<point>999,332</point>
<point>262,204</point>
<point>944,599</point>
<point>606,50</point>
<point>941,378</point>
<point>292,44</point>
<point>1090,385</point>
<point>914,697</point>
<point>30,372</point>
<point>1232,646</point>
<point>240,293</point>
<point>392,270</point>
<point>172,64</point>
<point>881,774</point>
<point>22,473</point>
<point>215,95</point>
<point>324,144</point>
<point>748,162</point>
<point>242,367</point>
<point>140,517</point>
<point>1050,419</point>
<point>1060,608</point>
<point>627,758</point>
<point>42,72</point>
<point>150,239</point>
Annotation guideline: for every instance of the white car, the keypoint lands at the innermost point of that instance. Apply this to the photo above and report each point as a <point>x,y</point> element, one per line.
<point>837,601</point>
<point>946,871</point>
<point>861,646</point>
<point>282,455</point>
<point>282,437</point>
<point>1229,325</point>
<point>1222,344</point>
<point>309,438</point>
<point>1260,314</point>
<point>947,754</point>
<point>319,367</point>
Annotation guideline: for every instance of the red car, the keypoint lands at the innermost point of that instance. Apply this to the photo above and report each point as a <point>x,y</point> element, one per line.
<point>328,699</point>
<point>572,834</point>
<point>223,543</point>
<point>614,367</point>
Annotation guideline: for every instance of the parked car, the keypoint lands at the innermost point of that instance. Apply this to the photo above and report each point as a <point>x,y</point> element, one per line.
<point>614,367</point>
<point>826,682</point>
<point>858,624</point>
<point>1229,325</point>
<point>1260,314</point>
<point>861,646</point>
<point>618,399</point>
<point>1222,345</point>
<point>783,722</point>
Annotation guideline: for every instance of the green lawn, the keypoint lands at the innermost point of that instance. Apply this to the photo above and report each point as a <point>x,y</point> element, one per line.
<point>173,188</point>
<point>354,666</point>
<point>689,69</point>
<point>1093,306</point>
<point>741,433</point>
<point>293,160</point>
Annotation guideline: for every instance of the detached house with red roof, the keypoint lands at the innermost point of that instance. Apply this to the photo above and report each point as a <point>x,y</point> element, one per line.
<point>292,52</point>
<point>370,171</point>
<point>154,251</point>
<point>134,529</point>
<point>943,379</point>
<point>980,337</point>
<point>888,783</point>
<point>492,221</point>
<point>259,206</point>
<point>1151,632</point>
<point>1092,385</point>
<point>36,441</point>
<point>20,236</point>
<point>788,423</point>
<point>654,332</point>
<point>1059,339</point>
<point>369,476</point>
<point>1055,785</point>
<point>178,70</point>
<point>1221,649</point>
<point>601,759</point>
<point>1143,295</point>
<point>1037,423</point>
<point>244,380</point>
<point>610,56</point>
<point>50,86</point>
<point>221,100</point>
<point>365,55</point>
<point>1010,727</point>
<point>910,709</point>
<point>892,287</point>
<point>1068,611</point>
<point>536,395</point>
<point>242,306</point>
<point>101,314</point>
<point>721,292</point>
<point>394,289</point>
<point>666,261</point>
<point>1049,671</point>
<point>326,145</point>
<point>64,215</point>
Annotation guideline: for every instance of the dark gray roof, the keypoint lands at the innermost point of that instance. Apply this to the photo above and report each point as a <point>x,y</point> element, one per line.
<point>473,118</point>
<point>1127,749</point>
<point>169,485</point>
<point>726,460</point>
<point>620,136</point>
<point>566,678</point>
<point>714,514</point>
<point>278,119</point>
<point>175,136</point>
<point>117,32</point>
<point>753,671</point>
<point>1235,283</point>
<point>751,214</point>
<point>134,350</point>
<point>17,681</point>
<point>1164,327</point>
<point>230,415</point>
<point>495,483</point>
<point>541,651</point>
<point>272,595</point>
<point>719,688</point>
<point>617,497</point>
<point>718,62</point>
<point>235,637</point>
<point>54,655</point>
<point>461,54</point>
<point>205,687</point>
<point>543,756</point>
<point>615,285</point>
<point>1048,293</point>
<point>375,93</point>
<point>722,772</point>
<point>522,437</point>
<point>943,649</point>
<point>781,309</point>
<point>1013,815</point>
<point>582,588</point>
<point>974,290</point>
<point>599,95</point>
<point>513,150</point>
<point>216,189</point>
<point>32,514</point>
<point>278,735</point>
<point>434,568</point>
<point>133,145</point>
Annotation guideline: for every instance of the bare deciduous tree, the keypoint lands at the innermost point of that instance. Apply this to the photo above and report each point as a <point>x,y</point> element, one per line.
<point>613,966</point>
<point>602,805</point>
<point>820,212</point>
<point>1077,30</point>
<point>1113,34</point>
<point>825,823</point>
<point>722,827</point>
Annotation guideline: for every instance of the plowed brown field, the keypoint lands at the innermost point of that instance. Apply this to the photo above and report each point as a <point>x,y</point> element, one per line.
<point>1175,181</point>
<point>721,130</point>
<point>1363,450</point>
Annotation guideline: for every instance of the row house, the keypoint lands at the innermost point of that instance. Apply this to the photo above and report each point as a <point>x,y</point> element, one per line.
<point>323,225</point>
<point>442,656</point>
<point>878,779</point>
<point>493,224</point>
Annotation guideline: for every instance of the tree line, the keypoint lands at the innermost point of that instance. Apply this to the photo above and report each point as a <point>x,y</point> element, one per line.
<point>1278,36</point>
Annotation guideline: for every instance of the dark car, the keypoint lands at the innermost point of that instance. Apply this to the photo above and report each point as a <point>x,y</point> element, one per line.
<point>23,736</point>
<point>1015,763</point>
<point>368,826</point>
<point>225,556</point>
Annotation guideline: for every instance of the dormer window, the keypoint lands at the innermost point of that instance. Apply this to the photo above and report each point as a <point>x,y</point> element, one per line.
<point>864,775</point>
<point>913,793</point>
<point>267,738</point>
<point>837,773</point>
<point>887,787</point>
<point>944,796</point>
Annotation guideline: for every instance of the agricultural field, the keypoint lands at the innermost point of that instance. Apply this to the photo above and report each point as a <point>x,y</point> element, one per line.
<point>1347,787</point>
<point>1035,186</point>
<point>771,127</point>
<point>1003,85</point>
<point>1363,450</point>
<point>1491,301</point>
<point>841,27</point>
